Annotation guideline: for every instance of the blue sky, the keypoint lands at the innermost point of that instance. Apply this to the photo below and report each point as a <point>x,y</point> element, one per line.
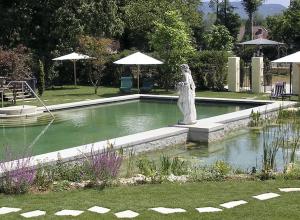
<point>282,2</point>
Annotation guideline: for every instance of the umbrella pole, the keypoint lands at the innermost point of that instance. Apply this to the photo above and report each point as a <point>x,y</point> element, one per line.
<point>75,80</point>
<point>291,69</point>
<point>138,78</point>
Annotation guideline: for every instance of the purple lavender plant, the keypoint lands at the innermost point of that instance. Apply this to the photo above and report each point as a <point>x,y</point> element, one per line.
<point>105,165</point>
<point>17,174</point>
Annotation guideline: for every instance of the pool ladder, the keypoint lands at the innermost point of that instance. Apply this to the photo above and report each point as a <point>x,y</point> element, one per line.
<point>24,83</point>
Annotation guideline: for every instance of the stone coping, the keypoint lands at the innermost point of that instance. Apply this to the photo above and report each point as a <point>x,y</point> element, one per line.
<point>144,96</point>
<point>210,124</point>
<point>71,154</point>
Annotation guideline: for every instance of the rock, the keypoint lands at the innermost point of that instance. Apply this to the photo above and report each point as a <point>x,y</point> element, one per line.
<point>182,179</point>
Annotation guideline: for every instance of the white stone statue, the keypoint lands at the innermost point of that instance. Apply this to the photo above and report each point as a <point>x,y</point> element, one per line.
<point>186,101</point>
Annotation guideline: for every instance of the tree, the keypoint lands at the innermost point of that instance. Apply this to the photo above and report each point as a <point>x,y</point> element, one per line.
<point>172,40</point>
<point>99,48</point>
<point>251,6</point>
<point>52,27</point>
<point>219,38</point>
<point>16,63</point>
<point>140,16</point>
<point>228,18</point>
<point>215,4</point>
<point>286,27</point>
<point>41,79</point>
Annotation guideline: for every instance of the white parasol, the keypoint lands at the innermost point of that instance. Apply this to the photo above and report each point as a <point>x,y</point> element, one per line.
<point>138,59</point>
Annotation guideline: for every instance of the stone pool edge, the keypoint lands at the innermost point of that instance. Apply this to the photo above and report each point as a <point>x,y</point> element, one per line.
<point>207,130</point>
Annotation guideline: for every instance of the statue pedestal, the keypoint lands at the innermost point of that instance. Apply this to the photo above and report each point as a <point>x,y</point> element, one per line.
<point>182,123</point>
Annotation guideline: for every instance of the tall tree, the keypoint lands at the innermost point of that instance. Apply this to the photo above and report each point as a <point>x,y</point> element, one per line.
<point>172,40</point>
<point>99,48</point>
<point>215,5</point>
<point>140,16</point>
<point>219,38</point>
<point>286,27</point>
<point>251,6</point>
<point>229,18</point>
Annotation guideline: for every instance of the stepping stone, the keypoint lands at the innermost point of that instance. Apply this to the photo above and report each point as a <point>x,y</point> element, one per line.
<point>127,214</point>
<point>32,214</point>
<point>233,204</point>
<point>68,213</point>
<point>208,209</point>
<point>6,210</point>
<point>266,196</point>
<point>164,210</point>
<point>289,189</point>
<point>99,210</point>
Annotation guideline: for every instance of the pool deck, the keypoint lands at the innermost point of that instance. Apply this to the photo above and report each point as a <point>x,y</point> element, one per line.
<point>205,130</point>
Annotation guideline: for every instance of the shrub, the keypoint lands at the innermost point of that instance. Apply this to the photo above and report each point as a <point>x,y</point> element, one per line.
<point>73,172</point>
<point>209,69</point>
<point>179,167</point>
<point>222,168</point>
<point>44,177</point>
<point>165,165</point>
<point>103,166</point>
<point>147,167</point>
<point>41,78</point>
<point>200,174</point>
<point>18,176</point>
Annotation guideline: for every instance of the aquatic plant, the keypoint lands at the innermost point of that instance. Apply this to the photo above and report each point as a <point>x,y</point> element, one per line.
<point>147,167</point>
<point>17,173</point>
<point>222,168</point>
<point>179,166</point>
<point>255,119</point>
<point>130,163</point>
<point>165,165</point>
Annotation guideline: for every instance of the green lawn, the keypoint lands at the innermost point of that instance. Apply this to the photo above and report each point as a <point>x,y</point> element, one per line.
<point>188,196</point>
<point>67,94</point>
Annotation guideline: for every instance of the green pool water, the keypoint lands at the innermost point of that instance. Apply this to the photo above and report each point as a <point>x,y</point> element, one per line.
<point>87,125</point>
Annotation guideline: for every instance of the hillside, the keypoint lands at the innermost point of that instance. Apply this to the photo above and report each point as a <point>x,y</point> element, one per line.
<point>265,10</point>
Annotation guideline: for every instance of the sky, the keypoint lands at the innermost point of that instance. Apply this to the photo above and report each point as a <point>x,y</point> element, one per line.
<point>285,3</point>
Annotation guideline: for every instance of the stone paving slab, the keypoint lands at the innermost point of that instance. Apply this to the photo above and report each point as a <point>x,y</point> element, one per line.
<point>266,196</point>
<point>164,210</point>
<point>289,189</point>
<point>208,209</point>
<point>7,210</point>
<point>233,204</point>
<point>32,214</point>
<point>69,213</point>
<point>127,214</point>
<point>99,210</point>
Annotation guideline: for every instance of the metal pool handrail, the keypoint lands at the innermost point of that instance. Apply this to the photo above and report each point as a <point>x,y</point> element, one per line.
<point>31,90</point>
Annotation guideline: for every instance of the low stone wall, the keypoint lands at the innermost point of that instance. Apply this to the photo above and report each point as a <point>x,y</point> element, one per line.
<point>216,128</point>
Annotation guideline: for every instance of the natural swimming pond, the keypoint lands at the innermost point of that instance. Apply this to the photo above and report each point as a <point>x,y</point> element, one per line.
<point>87,125</point>
<point>242,149</point>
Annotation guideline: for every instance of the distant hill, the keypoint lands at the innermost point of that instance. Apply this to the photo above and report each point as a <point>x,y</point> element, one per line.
<point>265,10</point>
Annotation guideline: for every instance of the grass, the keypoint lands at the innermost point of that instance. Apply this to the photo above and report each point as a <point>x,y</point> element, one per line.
<point>188,196</point>
<point>66,94</point>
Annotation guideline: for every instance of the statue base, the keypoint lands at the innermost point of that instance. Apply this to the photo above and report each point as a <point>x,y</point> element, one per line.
<point>191,123</point>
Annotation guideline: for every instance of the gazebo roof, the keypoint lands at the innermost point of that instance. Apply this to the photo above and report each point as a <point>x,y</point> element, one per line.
<point>261,41</point>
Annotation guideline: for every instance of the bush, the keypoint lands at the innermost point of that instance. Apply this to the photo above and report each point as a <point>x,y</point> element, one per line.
<point>209,69</point>
<point>179,167</point>
<point>103,166</point>
<point>222,168</point>
<point>41,78</point>
<point>147,167</point>
<point>44,177</point>
<point>73,172</point>
<point>18,175</point>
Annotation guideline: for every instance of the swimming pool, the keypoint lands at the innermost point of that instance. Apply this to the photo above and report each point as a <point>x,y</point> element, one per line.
<point>91,124</point>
